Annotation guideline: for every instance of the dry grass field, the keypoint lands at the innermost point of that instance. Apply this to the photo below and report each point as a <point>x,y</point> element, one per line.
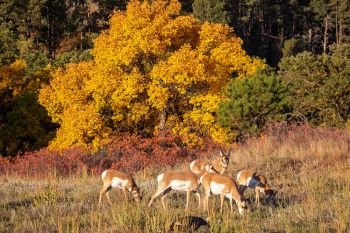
<point>311,173</point>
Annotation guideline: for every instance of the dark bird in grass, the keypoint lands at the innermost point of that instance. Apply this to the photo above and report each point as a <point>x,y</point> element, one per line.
<point>188,224</point>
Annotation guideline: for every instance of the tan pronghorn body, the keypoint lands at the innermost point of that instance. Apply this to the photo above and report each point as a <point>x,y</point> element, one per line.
<point>219,164</point>
<point>257,182</point>
<point>117,179</point>
<point>184,181</point>
<point>224,186</point>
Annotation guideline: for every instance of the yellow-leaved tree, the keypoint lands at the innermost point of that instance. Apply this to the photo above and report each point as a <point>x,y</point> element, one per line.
<point>153,69</point>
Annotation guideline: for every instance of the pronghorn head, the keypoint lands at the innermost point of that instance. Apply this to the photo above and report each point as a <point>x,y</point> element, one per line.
<point>137,194</point>
<point>209,168</point>
<point>225,157</point>
<point>271,195</point>
<point>242,206</point>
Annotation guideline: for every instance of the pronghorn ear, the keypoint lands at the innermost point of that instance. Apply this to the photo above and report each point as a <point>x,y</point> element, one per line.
<point>222,153</point>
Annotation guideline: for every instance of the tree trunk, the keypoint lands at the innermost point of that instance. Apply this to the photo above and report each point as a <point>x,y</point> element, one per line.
<point>336,26</point>
<point>162,120</point>
<point>310,39</point>
<point>340,30</point>
<point>325,34</point>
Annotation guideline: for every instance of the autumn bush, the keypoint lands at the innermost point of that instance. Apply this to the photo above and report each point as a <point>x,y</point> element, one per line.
<point>128,152</point>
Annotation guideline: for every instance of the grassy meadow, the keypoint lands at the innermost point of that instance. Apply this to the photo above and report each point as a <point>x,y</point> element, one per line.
<point>310,171</point>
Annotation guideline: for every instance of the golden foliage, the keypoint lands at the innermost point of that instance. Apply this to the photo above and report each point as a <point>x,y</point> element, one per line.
<point>151,64</point>
<point>13,77</point>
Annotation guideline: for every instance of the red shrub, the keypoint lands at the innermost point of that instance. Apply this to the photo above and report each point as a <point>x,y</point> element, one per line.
<point>128,152</point>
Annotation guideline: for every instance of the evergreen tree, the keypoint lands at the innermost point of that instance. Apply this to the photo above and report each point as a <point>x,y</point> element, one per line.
<point>252,102</point>
<point>319,86</point>
<point>8,50</point>
<point>214,11</point>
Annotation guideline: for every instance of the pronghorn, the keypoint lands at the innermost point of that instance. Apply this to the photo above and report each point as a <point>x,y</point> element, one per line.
<point>256,181</point>
<point>224,186</point>
<point>179,181</point>
<point>219,164</point>
<point>117,179</point>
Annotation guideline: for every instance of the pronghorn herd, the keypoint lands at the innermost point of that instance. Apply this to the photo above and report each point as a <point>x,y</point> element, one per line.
<point>206,173</point>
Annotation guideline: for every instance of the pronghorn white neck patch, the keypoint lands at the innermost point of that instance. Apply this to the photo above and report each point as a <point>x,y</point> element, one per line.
<point>229,195</point>
<point>223,164</point>
<point>252,183</point>
<point>192,164</point>
<point>216,188</point>
<point>118,183</point>
<point>180,185</point>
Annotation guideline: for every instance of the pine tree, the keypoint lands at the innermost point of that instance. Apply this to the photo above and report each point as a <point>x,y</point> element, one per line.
<point>214,11</point>
<point>252,102</point>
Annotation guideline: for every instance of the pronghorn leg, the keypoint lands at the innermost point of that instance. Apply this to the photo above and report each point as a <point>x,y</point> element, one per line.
<point>108,198</point>
<point>206,200</point>
<point>125,190</point>
<point>199,199</point>
<point>222,196</point>
<point>156,194</point>
<point>257,196</point>
<point>231,205</point>
<point>163,200</point>
<point>187,199</point>
<point>104,190</point>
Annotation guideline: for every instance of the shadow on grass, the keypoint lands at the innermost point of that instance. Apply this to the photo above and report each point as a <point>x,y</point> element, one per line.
<point>18,204</point>
<point>279,202</point>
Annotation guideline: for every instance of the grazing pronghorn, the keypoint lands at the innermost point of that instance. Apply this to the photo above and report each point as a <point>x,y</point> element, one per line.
<point>117,179</point>
<point>224,186</point>
<point>219,164</point>
<point>185,181</point>
<point>256,181</point>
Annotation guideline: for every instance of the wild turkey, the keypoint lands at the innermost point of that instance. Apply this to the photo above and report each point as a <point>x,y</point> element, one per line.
<point>188,224</point>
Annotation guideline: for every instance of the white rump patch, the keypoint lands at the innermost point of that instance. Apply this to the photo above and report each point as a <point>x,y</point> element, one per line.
<point>104,174</point>
<point>239,174</point>
<point>180,185</point>
<point>252,183</point>
<point>216,188</point>
<point>118,183</point>
<point>160,177</point>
